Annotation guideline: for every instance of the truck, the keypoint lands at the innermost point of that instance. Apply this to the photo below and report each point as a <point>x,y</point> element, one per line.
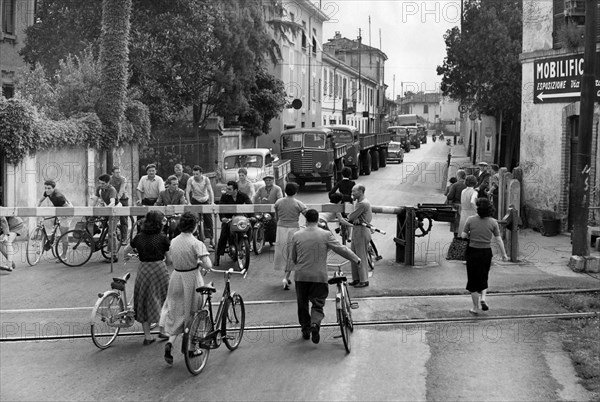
<point>314,154</point>
<point>402,135</point>
<point>364,152</point>
<point>259,162</point>
<point>411,121</point>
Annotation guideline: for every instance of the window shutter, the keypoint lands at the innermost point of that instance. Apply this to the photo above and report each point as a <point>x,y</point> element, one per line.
<point>558,23</point>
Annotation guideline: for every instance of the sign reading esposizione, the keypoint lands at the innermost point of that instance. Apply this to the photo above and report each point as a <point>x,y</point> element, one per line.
<point>558,79</point>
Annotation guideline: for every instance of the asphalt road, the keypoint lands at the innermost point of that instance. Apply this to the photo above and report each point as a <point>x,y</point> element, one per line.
<point>470,359</point>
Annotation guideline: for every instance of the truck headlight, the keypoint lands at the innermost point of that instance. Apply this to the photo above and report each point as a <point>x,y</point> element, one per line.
<point>318,165</point>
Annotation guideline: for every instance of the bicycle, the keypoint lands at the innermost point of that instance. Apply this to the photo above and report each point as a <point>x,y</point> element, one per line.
<point>372,254</point>
<point>343,304</point>
<point>81,241</point>
<point>39,241</point>
<point>205,332</point>
<point>111,312</point>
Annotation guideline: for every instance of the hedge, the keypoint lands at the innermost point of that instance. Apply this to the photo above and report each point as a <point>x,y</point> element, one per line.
<point>24,131</point>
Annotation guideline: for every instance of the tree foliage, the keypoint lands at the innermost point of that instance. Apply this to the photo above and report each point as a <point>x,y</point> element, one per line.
<point>196,54</point>
<point>114,60</point>
<point>481,67</point>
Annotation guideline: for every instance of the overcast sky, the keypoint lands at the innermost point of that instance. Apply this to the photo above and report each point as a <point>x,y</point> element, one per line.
<point>411,35</point>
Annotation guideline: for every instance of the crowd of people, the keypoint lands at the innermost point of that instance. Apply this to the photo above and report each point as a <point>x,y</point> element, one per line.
<point>476,199</point>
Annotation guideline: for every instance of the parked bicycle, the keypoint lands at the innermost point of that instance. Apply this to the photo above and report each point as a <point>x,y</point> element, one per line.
<point>40,241</point>
<point>206,331</point>
<point>111,313</point>
<point>90,235</point>
<point>343,304</point>
<point>372,253</point>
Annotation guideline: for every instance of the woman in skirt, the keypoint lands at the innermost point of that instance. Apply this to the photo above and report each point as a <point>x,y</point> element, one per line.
<point>188,254</point>
<point>152,280</point>
<point>480,229</point>
<point>468,197</point>
<point>287,210</point>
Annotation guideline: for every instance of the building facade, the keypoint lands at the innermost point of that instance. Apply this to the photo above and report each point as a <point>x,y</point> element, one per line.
<point>356,74</point>
<point>300,68</point>
<point>15,15</point>
<point>552,68</point>
<point>347,95</point>
<point>424,105</point>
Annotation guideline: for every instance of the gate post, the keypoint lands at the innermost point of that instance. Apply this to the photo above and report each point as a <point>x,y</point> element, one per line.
<point>405,236</point>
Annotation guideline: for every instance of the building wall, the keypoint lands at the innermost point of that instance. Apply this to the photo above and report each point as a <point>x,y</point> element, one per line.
<point>11,43</point>
<point>545,147</point>
<point>300,71</point>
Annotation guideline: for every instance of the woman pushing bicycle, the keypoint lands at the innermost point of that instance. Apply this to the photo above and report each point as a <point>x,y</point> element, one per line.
<point>190,258</point>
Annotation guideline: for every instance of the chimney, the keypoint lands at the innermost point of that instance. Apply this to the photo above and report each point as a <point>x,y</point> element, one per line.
<point>338,35</point>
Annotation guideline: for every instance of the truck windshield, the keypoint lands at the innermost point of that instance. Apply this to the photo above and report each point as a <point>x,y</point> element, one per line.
<point>289,141</point>
<point>394,146</point>
<point>240,161</point>
<point>342,136</point>
<point>314,140</point>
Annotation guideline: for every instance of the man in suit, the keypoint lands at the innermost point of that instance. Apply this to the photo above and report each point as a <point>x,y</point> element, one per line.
<point>308,253</point>
<point>483,180</point>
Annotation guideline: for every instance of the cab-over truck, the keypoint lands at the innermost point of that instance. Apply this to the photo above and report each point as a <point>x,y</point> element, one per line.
<point>365,151</point>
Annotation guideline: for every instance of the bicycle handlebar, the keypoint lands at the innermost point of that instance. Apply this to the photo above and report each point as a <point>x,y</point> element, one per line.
<point>373,228</point>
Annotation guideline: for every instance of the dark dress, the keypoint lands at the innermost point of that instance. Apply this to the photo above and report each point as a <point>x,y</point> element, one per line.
<point>152,281</point>
<point>479,253</point>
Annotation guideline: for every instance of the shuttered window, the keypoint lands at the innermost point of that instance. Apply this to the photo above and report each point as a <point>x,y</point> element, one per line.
<point>559,20</point>
<point>8,16</point>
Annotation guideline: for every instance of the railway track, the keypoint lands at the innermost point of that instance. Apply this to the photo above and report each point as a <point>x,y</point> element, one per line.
<point>369,323</point>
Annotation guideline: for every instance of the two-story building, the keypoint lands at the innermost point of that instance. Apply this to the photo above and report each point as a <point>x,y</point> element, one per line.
<point>424,105</point>
<point>552,65</point>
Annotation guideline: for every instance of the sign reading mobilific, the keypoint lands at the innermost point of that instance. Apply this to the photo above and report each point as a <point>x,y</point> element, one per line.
<point>558,79</point>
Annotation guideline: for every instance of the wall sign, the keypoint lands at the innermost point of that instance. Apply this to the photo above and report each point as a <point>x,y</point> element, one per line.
<point>558,79</point>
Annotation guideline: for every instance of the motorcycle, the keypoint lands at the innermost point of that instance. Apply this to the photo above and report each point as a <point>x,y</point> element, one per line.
<point>263,231</point>
<point>433,137</point>
<point>448,142</point>
<point>239,243</point>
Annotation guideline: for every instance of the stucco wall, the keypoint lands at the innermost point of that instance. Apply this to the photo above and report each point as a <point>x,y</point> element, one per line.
<point>541,148</point>
<point>537,25</point>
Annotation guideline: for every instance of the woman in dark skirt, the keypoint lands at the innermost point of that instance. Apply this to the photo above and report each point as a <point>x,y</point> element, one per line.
<point>152,280</point>
<point>480,229</point>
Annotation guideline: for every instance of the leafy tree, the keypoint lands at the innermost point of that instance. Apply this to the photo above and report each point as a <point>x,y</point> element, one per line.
<point>195,54</point>
<point>482,66</point>
<point>267,99</point>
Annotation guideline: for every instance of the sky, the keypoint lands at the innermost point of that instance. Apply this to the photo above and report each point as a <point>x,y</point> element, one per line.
<point>411,36</point>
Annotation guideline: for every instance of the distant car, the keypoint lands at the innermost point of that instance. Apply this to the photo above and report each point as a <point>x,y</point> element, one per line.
<point>395,152</point>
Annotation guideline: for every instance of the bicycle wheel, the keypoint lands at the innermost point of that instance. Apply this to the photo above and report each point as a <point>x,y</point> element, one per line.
<point>371,257</point>
<point>348,308</point>
<point>243,254</point>
<point>56,235</point>
<point>234,319</point>
<point>103,333</point>
<point>343,323</point>
<point>80,246</point>
<point>35,246</point>
<point>195,356</point>
<point>116,244</point>
<point>258,239</point>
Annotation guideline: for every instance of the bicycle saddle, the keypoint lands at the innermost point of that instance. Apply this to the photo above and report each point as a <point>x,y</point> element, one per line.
<point>336,280</point>
<point>206,289</point>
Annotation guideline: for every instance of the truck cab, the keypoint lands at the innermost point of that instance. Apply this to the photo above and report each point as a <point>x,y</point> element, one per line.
<point>400,134</point>
<point>349,135</point>
<point>315,155</point>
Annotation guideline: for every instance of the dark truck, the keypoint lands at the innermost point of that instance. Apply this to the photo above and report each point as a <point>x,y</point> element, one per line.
<point>402,135</point>
<point>315,155</point>
<point>364,152</point>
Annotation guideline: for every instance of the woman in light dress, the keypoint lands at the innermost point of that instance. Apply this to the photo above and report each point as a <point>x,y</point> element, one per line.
<point>188,255</point>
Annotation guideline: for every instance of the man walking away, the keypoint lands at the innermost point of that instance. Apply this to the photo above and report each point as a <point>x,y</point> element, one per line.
<point>309,257</point>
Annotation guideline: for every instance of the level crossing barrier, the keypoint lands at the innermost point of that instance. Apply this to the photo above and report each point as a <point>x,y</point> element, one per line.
<point>409,220</point>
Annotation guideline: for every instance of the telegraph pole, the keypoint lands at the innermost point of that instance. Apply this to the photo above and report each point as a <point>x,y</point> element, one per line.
<point>586,123</point>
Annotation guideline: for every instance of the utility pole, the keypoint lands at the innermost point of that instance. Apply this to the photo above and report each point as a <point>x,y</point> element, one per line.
<point>586,124</point>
